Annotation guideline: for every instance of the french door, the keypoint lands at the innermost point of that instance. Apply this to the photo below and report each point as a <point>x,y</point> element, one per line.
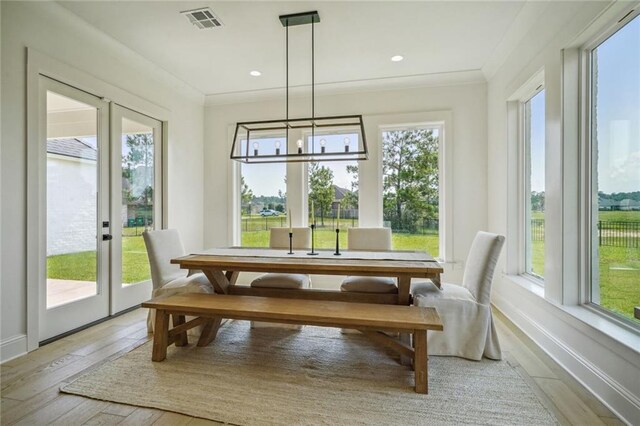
<point>100,168</point>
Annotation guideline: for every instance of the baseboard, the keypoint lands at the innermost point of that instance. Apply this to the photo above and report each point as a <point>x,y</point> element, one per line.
<point>605,388</point>
<point>13,347</point>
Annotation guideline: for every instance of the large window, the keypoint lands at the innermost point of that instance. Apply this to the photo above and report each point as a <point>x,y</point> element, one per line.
<point>333,188</point>
<point>263,199</point>
<point>411,208</point>
<point>615,171</point>
<point>534,176</point>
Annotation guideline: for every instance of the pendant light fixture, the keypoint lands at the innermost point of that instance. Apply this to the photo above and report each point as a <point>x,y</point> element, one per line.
<point>310,139</point>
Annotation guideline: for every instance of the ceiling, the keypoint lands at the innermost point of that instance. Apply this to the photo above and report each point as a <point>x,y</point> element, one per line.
<point>354,40</point>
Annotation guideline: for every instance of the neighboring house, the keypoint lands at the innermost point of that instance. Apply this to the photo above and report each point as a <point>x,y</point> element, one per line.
<point>625,205</point>
<point>71,196</point>
<point>340,193</point>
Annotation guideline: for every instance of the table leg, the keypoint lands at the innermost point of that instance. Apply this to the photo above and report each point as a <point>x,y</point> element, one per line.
<point>160,336</point>
<point>436,280</point>
<point>404,298</point>
<point>421,360</point>
<point>218,280</point>
<point>181,339</point>
<point>209,331</point>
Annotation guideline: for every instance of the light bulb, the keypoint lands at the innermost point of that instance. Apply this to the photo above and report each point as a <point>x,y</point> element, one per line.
<point>323,142</point>
<point>299,143</point>
<point>277,144</point>
<point>255,149</point>
<point>347,141</point>
<point>255,145</point>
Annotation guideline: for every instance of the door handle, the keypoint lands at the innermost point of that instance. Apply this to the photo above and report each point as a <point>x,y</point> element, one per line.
<point>107,237</point>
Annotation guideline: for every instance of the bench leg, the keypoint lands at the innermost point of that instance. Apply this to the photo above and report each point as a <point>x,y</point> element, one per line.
<point>160,336</point>
<point>420,361</point>
<point>209,331</point>
<point>181,339</point>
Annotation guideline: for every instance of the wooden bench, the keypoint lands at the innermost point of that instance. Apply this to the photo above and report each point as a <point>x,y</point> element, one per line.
<point>370,319</point>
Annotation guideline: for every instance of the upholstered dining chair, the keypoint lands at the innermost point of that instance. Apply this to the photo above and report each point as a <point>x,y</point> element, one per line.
<point>465,310</point>
<point>369,239</point>
<point>279,239</point>
<point>168,279</point>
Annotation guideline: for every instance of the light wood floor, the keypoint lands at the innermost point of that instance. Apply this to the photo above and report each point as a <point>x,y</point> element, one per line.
<point>30,395</point>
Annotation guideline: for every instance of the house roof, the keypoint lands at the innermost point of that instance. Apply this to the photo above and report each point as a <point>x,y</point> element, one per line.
<point>339,193</point>
<point>72,147</point>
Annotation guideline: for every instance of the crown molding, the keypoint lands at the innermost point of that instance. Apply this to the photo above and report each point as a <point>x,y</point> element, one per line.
<point>455,78</point>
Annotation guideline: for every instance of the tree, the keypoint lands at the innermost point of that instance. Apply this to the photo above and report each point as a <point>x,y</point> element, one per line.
<point>321,190</point>
<point>280,208</point>
<point>138,157</point>
<point>537,201</point>
<point>350,199</point>
<point>410,185</point>
<point>246,196</point>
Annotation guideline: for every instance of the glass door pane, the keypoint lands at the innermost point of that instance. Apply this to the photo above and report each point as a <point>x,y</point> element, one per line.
<point>72,204</point>
<point>137,194</point>
<point>137,190</point>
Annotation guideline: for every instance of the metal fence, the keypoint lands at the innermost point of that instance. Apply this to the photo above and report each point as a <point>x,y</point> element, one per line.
<point>619,234</point>
<point>610,233</point>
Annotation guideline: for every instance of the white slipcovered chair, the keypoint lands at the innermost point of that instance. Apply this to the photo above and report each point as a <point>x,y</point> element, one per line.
<point>279,239</point>
<point>168,279</point>
<point>465,310</point>
<point>369,239</point>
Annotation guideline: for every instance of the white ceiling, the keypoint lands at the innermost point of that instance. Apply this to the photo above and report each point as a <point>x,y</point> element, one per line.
<point>354,40</point>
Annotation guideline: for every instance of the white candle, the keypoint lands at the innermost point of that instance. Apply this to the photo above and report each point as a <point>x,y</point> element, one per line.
<point>313,216</point>
<point>338,220</point>
<point>290,227</point>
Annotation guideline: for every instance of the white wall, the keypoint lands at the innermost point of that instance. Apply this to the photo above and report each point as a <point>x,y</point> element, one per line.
<point>71,204</point>
<point>586,347</point>
<point>52,30</point>
<point>465,102</point>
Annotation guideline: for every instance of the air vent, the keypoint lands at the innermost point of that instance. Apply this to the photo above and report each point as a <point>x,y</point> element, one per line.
<point>203,18</point>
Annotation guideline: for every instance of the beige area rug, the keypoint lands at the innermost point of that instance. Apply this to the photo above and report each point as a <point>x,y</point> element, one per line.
<point>315,376</point>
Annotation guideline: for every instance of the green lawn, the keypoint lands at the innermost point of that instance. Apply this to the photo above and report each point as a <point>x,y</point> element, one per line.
<point>619,268</point>
<point>82,266</point>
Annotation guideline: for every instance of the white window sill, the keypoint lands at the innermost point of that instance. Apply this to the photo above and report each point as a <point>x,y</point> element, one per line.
<point>528,283</point>
<point>586,316</point>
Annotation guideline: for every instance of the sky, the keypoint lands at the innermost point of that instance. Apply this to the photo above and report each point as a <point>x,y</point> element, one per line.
<point>537,142</point>
<point>618,110</point>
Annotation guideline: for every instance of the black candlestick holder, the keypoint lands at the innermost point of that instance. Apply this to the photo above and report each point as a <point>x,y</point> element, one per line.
<point>290,243</point>
<point>313,240</point>
<point>337,253</point>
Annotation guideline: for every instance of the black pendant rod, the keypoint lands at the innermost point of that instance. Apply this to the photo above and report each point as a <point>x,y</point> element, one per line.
<point>313,86</point>
<point>287,84</point>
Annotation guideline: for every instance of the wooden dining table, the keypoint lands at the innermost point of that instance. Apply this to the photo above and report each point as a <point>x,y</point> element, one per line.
<point>223,265</point>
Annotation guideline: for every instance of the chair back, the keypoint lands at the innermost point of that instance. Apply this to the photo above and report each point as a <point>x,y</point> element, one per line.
<point>481,264</point>
<point>369,239</point>
<point>162,246</point>
<point>279,238</point>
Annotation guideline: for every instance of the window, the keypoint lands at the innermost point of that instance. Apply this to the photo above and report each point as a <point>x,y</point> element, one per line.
<point>411,201</point>
<point>534,176</point>
<point>333,186</point>
<point>263,199</point>
<point>614,125</point>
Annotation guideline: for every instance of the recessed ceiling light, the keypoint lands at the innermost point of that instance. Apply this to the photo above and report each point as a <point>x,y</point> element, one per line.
<point>397,58</point>
<point>255,73</point>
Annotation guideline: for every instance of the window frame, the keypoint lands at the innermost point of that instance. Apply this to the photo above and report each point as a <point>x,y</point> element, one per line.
<point>532,89</point>
<point>587,165</point>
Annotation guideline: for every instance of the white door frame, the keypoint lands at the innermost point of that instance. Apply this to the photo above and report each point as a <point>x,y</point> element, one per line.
<point>125,297</point>
<point>42,64</point>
